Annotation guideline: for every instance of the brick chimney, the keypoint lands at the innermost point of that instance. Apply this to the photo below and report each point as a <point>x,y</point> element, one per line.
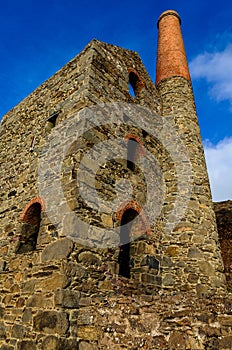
<point>171,57</point>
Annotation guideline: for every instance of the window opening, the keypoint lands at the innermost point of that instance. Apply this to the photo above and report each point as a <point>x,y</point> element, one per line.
<point>132,149</point>
<point>125,245</point>
<point>135,83</point>
<point>30,229</point>
<point>52,120</point>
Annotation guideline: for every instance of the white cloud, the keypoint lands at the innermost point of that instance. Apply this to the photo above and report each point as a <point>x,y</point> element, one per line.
<point>219,165</point>
<point>216,69</point>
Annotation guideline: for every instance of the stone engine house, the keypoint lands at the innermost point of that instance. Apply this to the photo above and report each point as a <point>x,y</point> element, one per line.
<point>158,287</point>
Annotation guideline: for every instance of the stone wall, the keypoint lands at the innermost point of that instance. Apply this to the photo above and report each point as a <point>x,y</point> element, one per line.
<point>66,296</point>
<point>223,212</point>
<point>197,232</point>
<point>47,315</point>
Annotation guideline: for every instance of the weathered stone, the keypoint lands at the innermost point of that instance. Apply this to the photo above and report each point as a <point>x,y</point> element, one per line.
<point>87,346</point>
<point>20,302</point>
<point>89,333</point>
<point>2,330</point>
<point>225,343</point>
<point>67,298</point>
<point>194,253</point>
<point>151,262</point>
<point>85,301</point>
<point>54,282</point>
<point>193,278</point>
<point>51,322</point>
<point>159,342</point>
<point>27,315</point>
<point>36,301</point>
<point>85,318</point>
<point>6,347</point>
<point>193,343</point>
<point>107,220</point>
<point>18,331</point>
<point>168,280</point>
<point>26,345</point>
<point>201,289</point>
<point>166,261</point>
<point>105,285</point>
<point>50,342</point>
<point>212,331</point>
<point>89,258</point>
<point>69,344</point>
<point>29,286</point>
<point>58,250</point>
<point>148,278</point>
<point>225,320</point>
<point>55,343</point>
<point>206,268</point>
<point>172,251</point>
<point>206,317</point>
<point>177,341</point>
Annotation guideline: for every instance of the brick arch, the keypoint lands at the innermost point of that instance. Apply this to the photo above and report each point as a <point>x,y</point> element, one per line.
<point>32,211</point>
<point>135,206</point>
<point>135,80</point>
<point>141,148</point>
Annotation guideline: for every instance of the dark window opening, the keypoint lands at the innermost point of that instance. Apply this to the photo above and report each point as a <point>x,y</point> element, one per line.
<point>132,149</point>
<point>124,254</point>
<point>145,133</point>
<point>30,229</point>
<point>53,119</point>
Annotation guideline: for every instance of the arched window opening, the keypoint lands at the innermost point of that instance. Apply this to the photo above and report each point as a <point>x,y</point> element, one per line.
<point>124,254</point>
<point>52,120</point>
<point>133,84</point>
<point>132,151</point>
<point>30,228</point>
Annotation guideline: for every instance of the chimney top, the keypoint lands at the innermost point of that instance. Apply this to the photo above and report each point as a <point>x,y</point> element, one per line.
<point>168,13</point>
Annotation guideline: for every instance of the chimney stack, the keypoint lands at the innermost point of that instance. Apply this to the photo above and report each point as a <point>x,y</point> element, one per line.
<point>171,57</point>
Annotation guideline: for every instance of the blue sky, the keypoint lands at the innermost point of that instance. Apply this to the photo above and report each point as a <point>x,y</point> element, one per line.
<point>38,38</point>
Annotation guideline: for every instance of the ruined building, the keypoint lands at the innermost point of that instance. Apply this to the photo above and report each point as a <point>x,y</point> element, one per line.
<point>108,236</point>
